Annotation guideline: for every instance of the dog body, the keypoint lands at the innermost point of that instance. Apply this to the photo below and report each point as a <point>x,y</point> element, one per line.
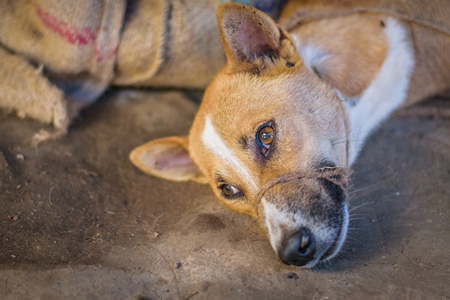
<point>282,123</point>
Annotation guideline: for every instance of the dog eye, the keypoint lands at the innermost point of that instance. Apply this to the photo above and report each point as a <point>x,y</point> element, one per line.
<point>265,136</point>
<point>229,191</point>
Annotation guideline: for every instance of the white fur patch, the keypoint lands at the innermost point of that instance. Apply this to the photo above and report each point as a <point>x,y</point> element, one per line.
<point>312,56</point>
<point>386,93</point>
<point>274,218</point>
<point>214,143</point>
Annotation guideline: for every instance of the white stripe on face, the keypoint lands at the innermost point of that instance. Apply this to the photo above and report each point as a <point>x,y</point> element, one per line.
<point>214,143</point>
<point>275,219</point>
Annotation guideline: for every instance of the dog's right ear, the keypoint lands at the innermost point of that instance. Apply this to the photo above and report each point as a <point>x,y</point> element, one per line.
<point>167,158</point>
<point>252,40</point>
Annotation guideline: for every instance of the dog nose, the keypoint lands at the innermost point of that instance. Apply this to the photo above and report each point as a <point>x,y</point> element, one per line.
<point>299,248</point>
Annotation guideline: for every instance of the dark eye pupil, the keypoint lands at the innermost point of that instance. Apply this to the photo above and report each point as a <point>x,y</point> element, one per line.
<point>227,190</point>
<point>266,135</point>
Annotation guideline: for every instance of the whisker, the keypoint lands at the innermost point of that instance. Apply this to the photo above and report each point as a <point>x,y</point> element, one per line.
<point>355,219</point>
<point>344,137</point>
<point>364,188</point>
<point>359,206</point>
<point>356,240</point>
<point>356,133</point>
<point>357,215</point>
<point>341,255</point>
<point>342,142</point>
<point>359,229</point>
<point>329,263</point>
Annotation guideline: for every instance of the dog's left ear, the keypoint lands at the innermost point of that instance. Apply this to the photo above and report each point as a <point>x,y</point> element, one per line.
<point>167,158</point>
<point>252,40</point>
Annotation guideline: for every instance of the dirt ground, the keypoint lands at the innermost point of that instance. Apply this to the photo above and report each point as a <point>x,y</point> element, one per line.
<point>78,221</point>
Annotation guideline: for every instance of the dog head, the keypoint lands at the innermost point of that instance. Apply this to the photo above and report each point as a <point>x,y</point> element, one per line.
<point>270,139</point>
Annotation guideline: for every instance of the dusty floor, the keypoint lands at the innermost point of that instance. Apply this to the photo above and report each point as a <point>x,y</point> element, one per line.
<point>78,221</point>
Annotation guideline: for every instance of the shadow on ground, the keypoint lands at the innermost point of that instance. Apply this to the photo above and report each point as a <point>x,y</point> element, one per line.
<point>78,221</point>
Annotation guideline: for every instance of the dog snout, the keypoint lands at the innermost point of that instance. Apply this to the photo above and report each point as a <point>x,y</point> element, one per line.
<point>306,220</point>
<point>299,248</point>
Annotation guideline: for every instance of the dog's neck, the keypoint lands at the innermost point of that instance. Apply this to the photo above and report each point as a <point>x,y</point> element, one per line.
<point>387,92</point>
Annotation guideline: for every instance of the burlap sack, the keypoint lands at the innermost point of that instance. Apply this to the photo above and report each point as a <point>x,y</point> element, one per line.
<point>75,43</point>
<point>188,52</point>
<point>23,88</point>
<point>81,47</point>
<point>193,52</point>
<point>67,37</point>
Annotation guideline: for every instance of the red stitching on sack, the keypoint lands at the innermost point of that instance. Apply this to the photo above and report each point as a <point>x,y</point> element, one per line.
<point>100,54</point>
<point>72,34</point>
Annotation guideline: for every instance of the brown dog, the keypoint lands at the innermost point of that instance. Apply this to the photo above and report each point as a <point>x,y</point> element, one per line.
<point>281,124</point>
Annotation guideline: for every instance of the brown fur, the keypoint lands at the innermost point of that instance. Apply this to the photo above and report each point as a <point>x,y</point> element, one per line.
<point>219,104</point>
<point>356,52</point>
<point>301,182</point>
<point>240,60</point>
